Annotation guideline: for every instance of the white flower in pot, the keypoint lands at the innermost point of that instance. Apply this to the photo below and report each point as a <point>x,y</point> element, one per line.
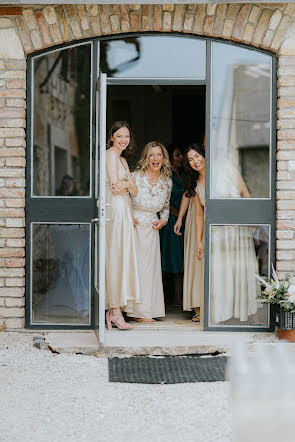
<point>291,290</point>
<point>291,293</point>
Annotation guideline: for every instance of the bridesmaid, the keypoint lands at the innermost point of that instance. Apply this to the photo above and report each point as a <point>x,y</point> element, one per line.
<point>122,283</point>
<point>172,246</point>
<point>152,178</point>
<point>194,200</point>
<point>233,260</point>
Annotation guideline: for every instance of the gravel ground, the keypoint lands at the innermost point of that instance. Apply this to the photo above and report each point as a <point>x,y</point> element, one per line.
<point>52,397</point>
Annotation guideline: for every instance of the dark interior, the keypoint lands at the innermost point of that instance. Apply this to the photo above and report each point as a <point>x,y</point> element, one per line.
<point>168,114</point>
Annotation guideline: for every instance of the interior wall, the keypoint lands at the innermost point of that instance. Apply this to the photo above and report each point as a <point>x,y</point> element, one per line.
<point>168,114</point>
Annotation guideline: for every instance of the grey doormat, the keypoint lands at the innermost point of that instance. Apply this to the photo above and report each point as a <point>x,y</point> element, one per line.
<point>167,369</point>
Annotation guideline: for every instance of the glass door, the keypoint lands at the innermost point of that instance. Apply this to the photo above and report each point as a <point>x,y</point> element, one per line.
<point>240,186</point>
<point>65,202</point>
<point>60,199</point>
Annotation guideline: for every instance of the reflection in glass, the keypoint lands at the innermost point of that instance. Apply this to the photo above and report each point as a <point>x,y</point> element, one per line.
<point>153,56</point>
<point>240,137</point>
<point>60,274</point>
<point>61,145</point>
<point>237,254</point>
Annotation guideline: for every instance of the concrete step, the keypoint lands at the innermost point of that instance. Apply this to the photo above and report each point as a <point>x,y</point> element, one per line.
<point>151,342</point>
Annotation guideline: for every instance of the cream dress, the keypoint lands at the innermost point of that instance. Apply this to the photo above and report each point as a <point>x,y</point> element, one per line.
<point>233,264</point>
<point>121,271</point>
<point>149,201</point>
<point>193,278</point>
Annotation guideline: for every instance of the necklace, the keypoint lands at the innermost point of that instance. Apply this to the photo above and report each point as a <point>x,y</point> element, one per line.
<point>152,182</point>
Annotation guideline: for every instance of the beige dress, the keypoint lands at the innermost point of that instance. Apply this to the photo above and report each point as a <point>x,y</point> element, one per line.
<point>121,271</point>
<point>149,201</point>
<point>233,265</point>
<point>193,278</point>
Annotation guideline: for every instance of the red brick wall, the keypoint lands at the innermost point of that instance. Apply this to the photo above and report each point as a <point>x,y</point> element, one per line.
<point>269,26</point>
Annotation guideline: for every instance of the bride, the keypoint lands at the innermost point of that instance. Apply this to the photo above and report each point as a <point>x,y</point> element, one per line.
<point>152,178</point>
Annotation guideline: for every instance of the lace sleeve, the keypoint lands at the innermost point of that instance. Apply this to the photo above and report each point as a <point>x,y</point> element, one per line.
<point>135,176</point>
<point>164,213</point>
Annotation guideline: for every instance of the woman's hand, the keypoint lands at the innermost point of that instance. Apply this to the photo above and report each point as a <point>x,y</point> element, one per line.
<point>135,222</point>
<point>157,225</point>
<point>177,226</point>
<point>132,189</point>
<point>200,251</point>
<point>120,185</point>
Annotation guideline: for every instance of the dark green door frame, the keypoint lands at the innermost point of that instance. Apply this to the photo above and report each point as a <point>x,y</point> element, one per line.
<point>82,210</point>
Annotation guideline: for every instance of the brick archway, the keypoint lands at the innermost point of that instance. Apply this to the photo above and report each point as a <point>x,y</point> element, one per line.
<point>257,25</point>
<point>24,30</point>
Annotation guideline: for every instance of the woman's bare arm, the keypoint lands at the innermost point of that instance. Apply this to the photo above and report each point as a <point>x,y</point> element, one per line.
<point>240,183</point>
<point>118,187</point>
<point>182,211</point>
<point>199,225</point>
<point>243,189</point>
<point>132,189</point>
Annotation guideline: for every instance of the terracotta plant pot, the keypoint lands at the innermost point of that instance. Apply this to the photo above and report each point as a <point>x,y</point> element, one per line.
<point>287,335</point>
<point>287,326</point>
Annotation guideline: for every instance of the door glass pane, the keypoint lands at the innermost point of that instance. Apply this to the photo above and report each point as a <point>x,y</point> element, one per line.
<point>61,116</point>
<point>241,122</point>
<point>60,274</point>
<point>237,254</point>
<point>154,56</point>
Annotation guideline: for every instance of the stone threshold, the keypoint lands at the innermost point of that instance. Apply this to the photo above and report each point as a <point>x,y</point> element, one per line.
<point>146,342</point>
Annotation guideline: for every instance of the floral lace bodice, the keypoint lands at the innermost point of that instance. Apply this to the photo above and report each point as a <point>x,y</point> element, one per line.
<point>150,199</point>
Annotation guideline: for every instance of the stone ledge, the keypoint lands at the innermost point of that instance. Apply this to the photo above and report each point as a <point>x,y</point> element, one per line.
<point>146,342</point>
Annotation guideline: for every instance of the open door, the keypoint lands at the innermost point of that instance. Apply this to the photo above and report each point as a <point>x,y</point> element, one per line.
<point>100,220</point>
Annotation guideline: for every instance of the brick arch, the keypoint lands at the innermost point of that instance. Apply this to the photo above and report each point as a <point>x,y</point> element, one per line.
<point>267,26</point>
<point>261,26</point>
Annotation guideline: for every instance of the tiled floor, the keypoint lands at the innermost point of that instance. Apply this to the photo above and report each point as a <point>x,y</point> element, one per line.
<point>175,318</point>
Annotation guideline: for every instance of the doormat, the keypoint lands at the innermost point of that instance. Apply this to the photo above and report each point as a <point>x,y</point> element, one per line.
<point>167,369</point>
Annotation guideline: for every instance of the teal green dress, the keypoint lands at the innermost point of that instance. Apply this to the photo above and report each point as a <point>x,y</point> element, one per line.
<point>171,244</point>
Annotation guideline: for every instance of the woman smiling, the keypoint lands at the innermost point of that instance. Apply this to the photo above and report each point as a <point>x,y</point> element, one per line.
<point>152,178</point>
<point>122,284</point>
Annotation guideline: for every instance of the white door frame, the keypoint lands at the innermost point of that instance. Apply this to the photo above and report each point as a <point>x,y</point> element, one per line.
<point>100,178</point>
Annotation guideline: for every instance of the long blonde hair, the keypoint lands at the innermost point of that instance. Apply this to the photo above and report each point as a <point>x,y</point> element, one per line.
<point>143,163</point>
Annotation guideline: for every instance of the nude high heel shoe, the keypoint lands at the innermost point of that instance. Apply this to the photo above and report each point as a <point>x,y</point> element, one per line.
<point>118,321</point>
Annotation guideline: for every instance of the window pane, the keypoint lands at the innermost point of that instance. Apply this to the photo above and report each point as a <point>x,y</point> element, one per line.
<point>241,120</point>
<point>61,115</point>
<point>237,254</point>
<point>60,274</point>
<point>154,56</point>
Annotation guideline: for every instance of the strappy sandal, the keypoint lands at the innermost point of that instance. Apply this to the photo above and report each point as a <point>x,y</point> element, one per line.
<point>196,318</point>
<point>143,320</point>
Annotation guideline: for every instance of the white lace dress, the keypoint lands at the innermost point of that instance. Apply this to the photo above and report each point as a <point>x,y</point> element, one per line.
<point>149,202</point>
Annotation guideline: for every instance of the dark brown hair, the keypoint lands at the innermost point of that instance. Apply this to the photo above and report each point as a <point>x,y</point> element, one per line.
<point>191,175</point>
<point>116,126</point>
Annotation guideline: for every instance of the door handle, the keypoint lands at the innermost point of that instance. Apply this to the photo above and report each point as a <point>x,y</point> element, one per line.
<point>108,220</point>
<point>96,220</point>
